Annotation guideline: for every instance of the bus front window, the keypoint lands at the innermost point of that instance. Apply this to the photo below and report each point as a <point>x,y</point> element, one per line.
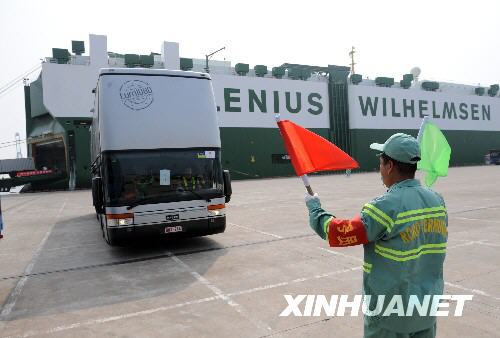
<point>156,176</point>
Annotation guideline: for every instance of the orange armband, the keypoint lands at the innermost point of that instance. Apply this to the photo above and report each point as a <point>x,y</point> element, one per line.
<point>346,232</point>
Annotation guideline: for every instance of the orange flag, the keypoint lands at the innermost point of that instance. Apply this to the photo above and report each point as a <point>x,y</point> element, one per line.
<point>310,152</point>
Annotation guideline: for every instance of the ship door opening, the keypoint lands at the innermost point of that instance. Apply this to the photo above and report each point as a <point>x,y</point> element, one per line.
<point>50,155</point>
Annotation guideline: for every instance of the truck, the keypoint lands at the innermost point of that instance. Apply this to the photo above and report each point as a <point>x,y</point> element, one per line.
<point>22,173</point>
<point>493,157</point>
<point>156,155</point>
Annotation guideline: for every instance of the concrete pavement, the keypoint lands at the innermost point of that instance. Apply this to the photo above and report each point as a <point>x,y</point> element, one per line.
<point>59,278</point>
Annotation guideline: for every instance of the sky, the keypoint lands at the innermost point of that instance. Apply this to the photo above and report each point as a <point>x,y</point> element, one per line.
<point>451,41</point>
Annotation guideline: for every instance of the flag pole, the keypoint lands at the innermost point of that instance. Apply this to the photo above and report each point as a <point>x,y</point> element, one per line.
<point>304,177</point>
<point>421,130</point>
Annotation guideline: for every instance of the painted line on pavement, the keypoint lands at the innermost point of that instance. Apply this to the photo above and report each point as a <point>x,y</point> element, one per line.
<point>479,242</point>
<point>341,254</point>
<point>156,257</point>
<point>473,209</point>
<point>293,328</point>
<point>255,230</point>
<point>11,301</point>
<point>474,291</point>
<point>479,219</point>
<point>218,292</point>
<point>468,243</point>
<point>490,244</point>
<point>78,246</point>
<point>179,305</point>
<point>113,318</point>
<point>295,281</point>
<point>19,205</point>
<point>483,229</point>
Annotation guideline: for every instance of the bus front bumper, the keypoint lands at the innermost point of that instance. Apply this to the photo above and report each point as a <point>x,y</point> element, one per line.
<point>187,228</point>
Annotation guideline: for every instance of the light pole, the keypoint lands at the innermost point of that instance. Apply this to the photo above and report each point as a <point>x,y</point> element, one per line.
<point>18,146</point>
<point>208,56</point>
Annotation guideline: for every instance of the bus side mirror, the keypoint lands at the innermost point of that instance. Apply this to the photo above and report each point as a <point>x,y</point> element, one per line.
<point>228,191</point>
<point>97,193</point>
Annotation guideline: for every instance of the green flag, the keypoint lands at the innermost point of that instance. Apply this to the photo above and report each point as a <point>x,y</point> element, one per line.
<point>434,152</point>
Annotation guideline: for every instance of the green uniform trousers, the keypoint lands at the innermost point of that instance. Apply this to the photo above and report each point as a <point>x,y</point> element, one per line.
<point>374,331</point>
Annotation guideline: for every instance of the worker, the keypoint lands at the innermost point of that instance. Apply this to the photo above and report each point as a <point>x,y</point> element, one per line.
<point>1,220</point>
<point>190,181</point>
<point>143,185</point>
<point>404,235</point>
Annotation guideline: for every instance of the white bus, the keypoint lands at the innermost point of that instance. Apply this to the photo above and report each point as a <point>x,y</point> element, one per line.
<point>156,155</point>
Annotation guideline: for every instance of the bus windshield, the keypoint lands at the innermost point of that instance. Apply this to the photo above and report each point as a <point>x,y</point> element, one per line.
<point>157,176</point>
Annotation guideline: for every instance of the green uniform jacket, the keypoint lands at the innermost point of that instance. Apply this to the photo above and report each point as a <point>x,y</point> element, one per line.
<point>407,233</point>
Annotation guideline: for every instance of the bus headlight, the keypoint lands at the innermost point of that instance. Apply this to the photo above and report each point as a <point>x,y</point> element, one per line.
<point>216,209</point>
<point>120,219</point>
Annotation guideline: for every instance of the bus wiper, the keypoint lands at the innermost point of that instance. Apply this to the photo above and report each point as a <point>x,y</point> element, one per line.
<point>157,199</point>
<point>181,190</point>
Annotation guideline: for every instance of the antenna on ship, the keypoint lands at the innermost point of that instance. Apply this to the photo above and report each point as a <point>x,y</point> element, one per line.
<point>351,54</point>
<point>415,71</point>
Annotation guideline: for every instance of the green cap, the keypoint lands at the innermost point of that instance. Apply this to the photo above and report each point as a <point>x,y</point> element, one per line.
<point>400,147</point>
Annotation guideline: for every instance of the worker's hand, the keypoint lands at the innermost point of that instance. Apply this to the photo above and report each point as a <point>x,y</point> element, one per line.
<point>313,201</point>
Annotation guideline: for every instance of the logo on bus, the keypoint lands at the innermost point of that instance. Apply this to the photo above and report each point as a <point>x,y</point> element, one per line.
<point>172,217</point>
<point>136,94</point>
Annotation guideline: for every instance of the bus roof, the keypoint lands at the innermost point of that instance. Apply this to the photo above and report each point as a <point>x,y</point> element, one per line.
<point>148,71</point>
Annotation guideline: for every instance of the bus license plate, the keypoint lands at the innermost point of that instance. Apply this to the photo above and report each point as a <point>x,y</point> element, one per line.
<point>169,230</point>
